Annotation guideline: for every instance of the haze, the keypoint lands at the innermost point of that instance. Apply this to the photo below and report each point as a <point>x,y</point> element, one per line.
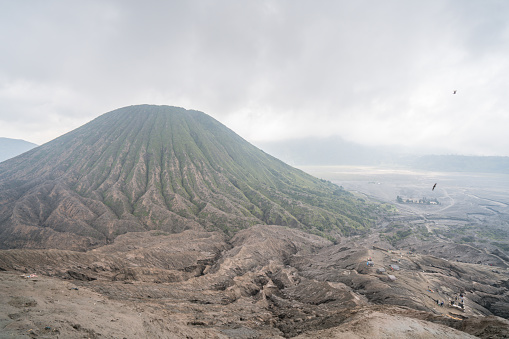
<point>371,72</point>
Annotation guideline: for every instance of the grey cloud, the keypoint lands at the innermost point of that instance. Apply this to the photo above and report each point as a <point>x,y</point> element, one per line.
<point>373,72</point>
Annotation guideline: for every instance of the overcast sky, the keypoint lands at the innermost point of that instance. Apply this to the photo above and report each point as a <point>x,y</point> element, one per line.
<point>374,72</point>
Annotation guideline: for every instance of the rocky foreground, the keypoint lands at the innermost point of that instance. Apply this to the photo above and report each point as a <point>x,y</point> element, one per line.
<point>265,282</point>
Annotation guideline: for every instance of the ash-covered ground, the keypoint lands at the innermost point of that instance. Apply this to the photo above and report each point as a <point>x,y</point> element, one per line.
<point>265,282</point>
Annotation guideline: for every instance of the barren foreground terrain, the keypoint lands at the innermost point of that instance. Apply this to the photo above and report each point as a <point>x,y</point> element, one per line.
<point>265,282</point>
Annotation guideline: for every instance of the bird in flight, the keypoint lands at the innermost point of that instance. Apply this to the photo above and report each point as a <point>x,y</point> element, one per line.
<point>435,185</point>
<point>454,92</point>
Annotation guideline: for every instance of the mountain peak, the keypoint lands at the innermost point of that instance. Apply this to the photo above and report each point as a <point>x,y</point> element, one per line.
<point>164,168</point>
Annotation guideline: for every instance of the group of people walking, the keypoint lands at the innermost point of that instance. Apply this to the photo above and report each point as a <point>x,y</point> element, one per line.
<point>457,302</point>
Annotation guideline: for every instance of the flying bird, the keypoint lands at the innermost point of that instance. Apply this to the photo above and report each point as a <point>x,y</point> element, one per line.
<point>435,185</point>
<point>454,92</point>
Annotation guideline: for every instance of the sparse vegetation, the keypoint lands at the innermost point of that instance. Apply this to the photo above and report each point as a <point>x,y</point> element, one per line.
<point>163,167</point>
<point>397,236</point>
<point>502,246</point>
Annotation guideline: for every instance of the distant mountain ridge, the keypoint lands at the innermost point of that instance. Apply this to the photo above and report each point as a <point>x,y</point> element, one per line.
<point>336,151</point>
<point>9,148</point>
<point>162,168</point>
<point>460,163</point>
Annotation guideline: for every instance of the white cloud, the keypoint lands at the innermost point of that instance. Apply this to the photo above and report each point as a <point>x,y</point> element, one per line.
<point>371,72</point>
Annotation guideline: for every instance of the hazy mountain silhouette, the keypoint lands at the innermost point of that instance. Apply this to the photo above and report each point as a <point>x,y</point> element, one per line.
<point>337,151</point>
<point>9,148</point>
<point>159,168</point>
<point>327,151</point>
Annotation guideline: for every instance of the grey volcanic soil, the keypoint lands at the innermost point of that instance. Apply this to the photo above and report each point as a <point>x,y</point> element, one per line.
<point>265,282</point>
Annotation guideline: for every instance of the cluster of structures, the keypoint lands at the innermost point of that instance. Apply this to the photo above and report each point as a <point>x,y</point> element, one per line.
<point>381,270</point>
<point>423,201</point>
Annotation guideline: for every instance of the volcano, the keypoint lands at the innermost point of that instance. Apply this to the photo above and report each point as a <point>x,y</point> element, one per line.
<point>164,168</point>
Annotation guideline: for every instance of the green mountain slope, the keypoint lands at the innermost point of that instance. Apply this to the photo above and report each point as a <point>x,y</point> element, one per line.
<point>159,167</point>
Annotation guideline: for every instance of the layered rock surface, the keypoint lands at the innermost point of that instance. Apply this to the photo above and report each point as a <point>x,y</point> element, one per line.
<point>265,282</point>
